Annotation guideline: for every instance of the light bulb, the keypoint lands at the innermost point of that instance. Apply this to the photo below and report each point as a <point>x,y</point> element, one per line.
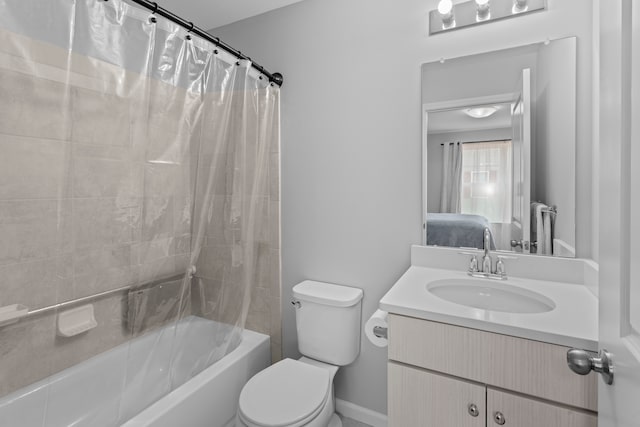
<point>519,6</point>
<point>483,12</point>
<point>445,7</point>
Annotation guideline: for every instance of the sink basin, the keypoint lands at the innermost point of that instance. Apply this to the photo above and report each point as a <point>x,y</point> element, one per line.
<point>491,296</point>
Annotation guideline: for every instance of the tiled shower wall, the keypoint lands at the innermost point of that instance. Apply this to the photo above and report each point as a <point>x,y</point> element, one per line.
<point>82,213</point>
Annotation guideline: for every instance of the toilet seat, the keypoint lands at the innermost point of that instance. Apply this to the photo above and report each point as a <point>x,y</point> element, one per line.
<point>289,393</point>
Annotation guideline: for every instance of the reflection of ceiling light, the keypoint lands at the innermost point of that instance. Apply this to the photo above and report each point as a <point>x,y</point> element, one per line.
<point>445,9</point>
<point>480,112</point>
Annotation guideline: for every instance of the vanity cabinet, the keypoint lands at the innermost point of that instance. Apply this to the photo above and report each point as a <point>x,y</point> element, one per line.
<point>421,398</point>
<point>437,371</point>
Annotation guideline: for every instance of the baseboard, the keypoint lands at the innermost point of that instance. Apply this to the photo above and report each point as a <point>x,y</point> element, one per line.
<point>360,413</point>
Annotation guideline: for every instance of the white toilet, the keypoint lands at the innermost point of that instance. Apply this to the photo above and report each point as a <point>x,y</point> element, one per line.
<point>294,393</point>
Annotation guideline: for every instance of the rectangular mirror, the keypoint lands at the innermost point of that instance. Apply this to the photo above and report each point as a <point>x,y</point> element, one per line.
<point>499,143</point>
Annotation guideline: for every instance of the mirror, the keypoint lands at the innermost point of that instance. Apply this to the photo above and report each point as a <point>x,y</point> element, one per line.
<point>499,149</point>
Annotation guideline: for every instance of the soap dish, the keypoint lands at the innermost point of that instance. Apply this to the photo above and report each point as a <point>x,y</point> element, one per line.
<point>12,313</point>
<point>76,321</point>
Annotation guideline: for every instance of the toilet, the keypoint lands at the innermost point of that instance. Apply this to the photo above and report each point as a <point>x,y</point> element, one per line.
<point>295,393</point>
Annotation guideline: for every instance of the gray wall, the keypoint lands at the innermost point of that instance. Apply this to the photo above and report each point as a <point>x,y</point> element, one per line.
<point>554,161</point>
<point>474,76</point>
<point>351,139</point>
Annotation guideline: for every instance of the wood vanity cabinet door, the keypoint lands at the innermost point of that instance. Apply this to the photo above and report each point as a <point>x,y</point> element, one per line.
<point>418,398</point>
<point>520,411</point>
<point>493,359</point>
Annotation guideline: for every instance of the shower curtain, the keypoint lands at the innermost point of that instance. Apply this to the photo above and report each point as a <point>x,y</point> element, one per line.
<point>131,155</point>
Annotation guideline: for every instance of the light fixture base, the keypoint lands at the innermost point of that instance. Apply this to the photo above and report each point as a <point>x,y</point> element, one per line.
<point>467,14</point>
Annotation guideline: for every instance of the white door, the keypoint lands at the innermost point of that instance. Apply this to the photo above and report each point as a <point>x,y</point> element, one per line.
<point>619,213</point>
<point>521,149</point>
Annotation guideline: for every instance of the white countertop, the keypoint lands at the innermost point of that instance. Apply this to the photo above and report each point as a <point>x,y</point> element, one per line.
<point>573,322</point>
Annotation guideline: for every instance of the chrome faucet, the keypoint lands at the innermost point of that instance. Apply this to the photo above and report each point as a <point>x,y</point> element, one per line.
<point>487,270</point>
<point>486,259</point>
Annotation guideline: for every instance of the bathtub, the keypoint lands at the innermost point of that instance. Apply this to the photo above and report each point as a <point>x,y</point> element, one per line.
<point>128,384</point>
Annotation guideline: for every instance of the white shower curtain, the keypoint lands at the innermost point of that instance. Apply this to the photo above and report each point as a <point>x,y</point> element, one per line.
<point>451,177</point>
<point>130,154</point>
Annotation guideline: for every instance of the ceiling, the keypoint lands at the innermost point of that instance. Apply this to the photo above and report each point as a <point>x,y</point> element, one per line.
<point>209,14</point>
<point>457,121</point>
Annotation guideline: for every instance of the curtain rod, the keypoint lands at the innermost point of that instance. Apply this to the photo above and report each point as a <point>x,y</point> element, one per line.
<point>476,142</point>
<point>192,29</point>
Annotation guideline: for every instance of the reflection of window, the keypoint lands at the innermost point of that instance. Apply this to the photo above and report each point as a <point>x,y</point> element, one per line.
<point>486,180</point>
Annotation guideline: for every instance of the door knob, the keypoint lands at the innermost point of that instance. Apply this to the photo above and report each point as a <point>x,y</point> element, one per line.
<point>582,363</point>
<point>524,244</point>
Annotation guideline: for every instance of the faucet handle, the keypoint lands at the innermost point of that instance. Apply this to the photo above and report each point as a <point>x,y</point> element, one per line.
<point>473,264</point>
<point>500,267</point>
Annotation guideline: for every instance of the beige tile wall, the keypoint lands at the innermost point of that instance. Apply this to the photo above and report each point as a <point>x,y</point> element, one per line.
<point>81,211</point>
<point>218,291</point>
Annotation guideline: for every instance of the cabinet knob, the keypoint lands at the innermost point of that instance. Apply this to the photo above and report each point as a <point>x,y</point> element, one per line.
<point>473,410</point>
<point>499,418</point>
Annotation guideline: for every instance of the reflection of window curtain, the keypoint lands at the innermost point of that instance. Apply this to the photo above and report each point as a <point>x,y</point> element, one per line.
<point>451,174</point>
<point>487,179</point>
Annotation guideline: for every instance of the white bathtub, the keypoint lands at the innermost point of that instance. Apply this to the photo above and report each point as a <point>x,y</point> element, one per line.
<point>115,387</point>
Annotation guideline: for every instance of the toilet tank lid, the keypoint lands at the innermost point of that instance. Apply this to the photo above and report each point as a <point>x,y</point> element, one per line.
<point>327,293</point>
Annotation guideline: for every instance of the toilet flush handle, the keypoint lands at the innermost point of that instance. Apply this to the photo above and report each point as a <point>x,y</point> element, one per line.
<point>296,303</point>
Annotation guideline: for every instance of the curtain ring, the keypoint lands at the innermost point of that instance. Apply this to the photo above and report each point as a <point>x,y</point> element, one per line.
<point>189,30</point>
<point>152,18</point>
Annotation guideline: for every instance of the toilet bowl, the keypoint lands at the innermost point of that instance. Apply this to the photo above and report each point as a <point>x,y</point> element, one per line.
<point>291,393</point>
<point>297,393</point>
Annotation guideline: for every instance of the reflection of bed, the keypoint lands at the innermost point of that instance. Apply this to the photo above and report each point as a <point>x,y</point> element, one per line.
<point>457,230</point>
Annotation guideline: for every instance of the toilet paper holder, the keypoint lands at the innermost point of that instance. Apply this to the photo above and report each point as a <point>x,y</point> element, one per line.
<point>380,332</point>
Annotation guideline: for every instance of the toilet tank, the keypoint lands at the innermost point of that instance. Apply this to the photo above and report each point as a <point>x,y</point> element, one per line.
<point>328,319</point>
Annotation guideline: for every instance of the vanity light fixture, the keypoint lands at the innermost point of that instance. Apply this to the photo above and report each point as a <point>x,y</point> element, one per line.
<point>449,16</point>
<point>445,9</point>
<point>483,11</point>
<point>481,112</point>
